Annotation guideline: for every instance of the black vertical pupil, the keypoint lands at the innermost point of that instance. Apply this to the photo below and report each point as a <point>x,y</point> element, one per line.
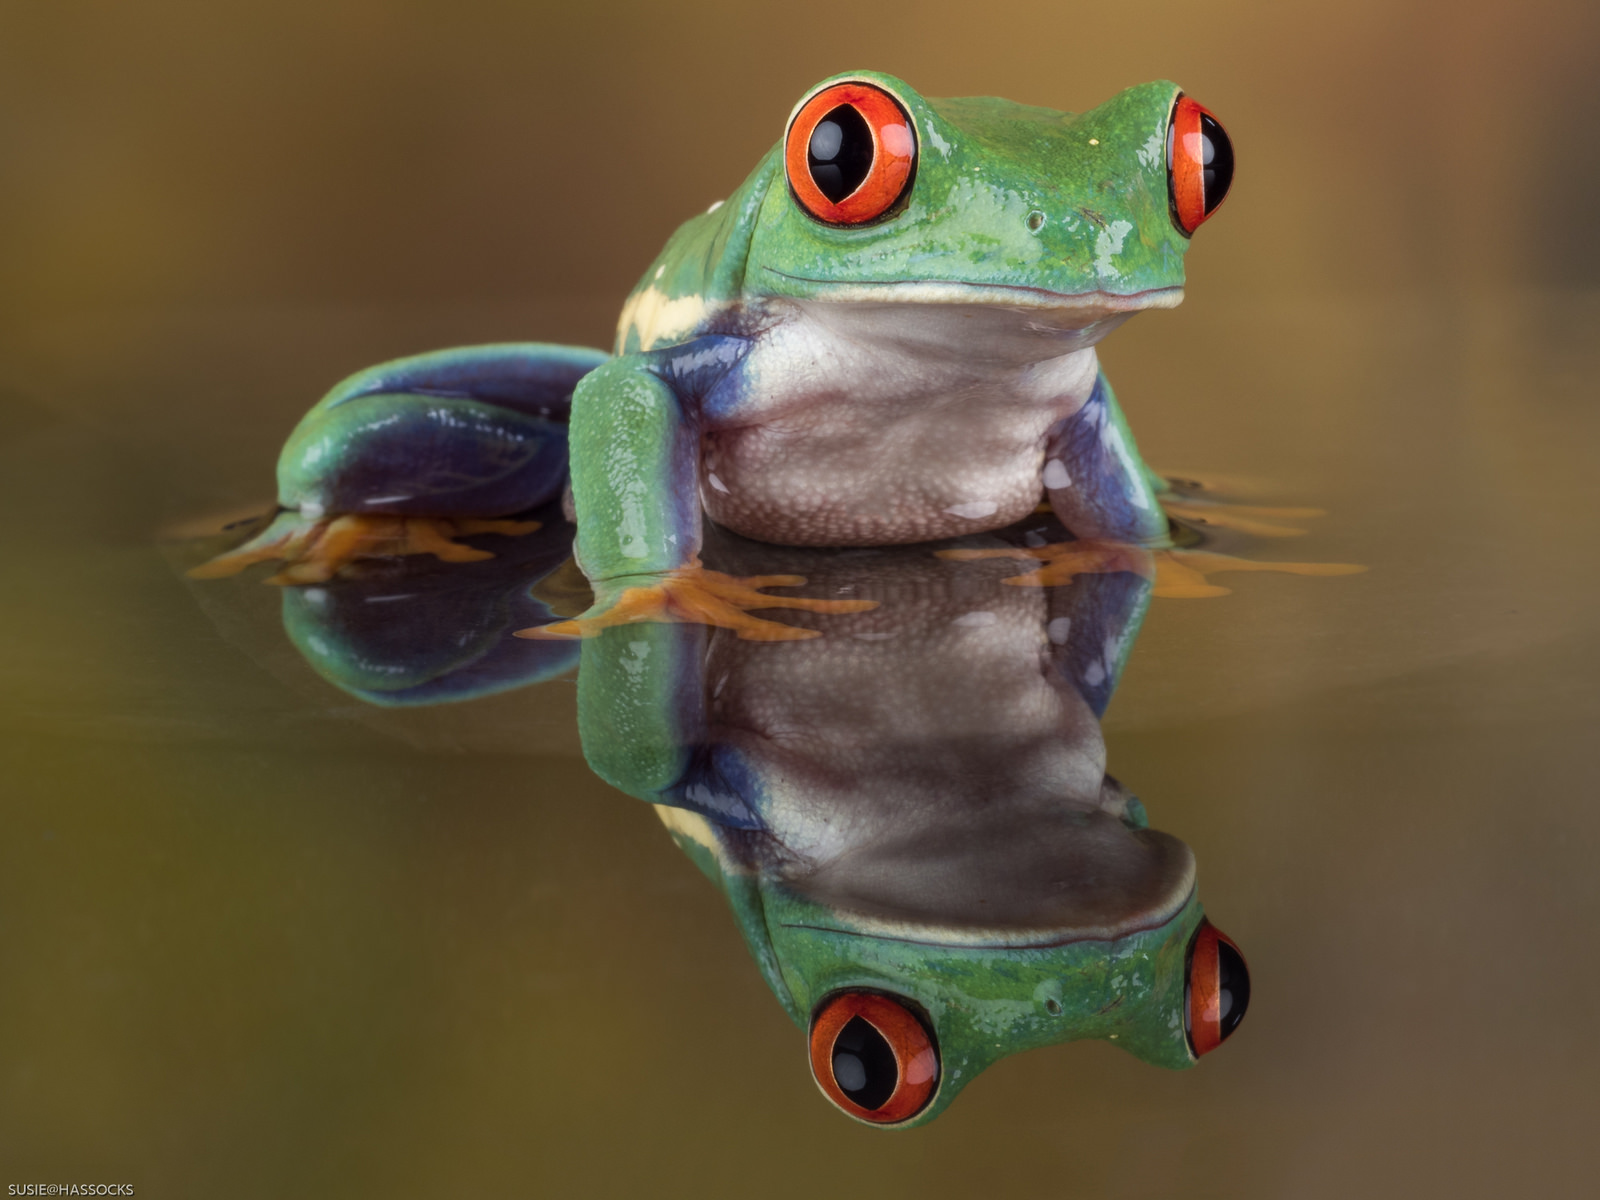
<point>1233,987</point>
<point>840,152</point>
<point>1216,153</point>
<point>863,1064</point>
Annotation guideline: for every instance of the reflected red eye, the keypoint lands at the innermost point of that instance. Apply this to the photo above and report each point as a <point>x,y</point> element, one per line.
<point>1199,164</point>
<point>1217,991</point>
<point>872,1057</point>
<point>849,154</point>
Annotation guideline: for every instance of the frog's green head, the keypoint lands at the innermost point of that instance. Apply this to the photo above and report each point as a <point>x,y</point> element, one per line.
<point>914,972</point>
<point>890,196</point>
<point>898,1026</point>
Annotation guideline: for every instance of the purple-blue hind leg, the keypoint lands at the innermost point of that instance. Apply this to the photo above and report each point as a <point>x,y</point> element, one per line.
<point>473,432</point>
<point>406,457</point>
<point>1095,481</point>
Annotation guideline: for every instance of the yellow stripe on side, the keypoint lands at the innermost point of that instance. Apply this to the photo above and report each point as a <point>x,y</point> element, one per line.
<point>690,825</point>
<point>653,318</point>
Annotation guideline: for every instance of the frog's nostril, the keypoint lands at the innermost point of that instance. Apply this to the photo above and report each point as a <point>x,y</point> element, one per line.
<point>1199,164</point>
<point>873,1057</point>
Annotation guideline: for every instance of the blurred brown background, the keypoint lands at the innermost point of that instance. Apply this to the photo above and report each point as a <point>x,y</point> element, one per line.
<point>259,940</point>
<point>194,154</point>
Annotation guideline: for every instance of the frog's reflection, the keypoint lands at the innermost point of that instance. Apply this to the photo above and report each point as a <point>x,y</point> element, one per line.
<point>415,631</point>
<point>910,815</point>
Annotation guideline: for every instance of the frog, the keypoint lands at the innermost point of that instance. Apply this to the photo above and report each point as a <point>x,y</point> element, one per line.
<point>885,335</point>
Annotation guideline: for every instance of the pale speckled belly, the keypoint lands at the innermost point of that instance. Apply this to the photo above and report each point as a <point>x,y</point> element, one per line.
<point>911,481</point>
<point>872,425</point>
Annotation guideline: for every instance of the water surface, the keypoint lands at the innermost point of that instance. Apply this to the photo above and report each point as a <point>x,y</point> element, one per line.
<point>262,937</point>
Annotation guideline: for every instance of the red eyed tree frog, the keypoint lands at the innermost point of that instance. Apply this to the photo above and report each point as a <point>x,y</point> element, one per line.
<point>885,335</point>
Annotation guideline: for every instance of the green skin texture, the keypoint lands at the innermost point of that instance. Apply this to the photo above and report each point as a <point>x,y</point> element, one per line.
<point>638,688</point>
<point>984,1003</point>
<point>984,165</point>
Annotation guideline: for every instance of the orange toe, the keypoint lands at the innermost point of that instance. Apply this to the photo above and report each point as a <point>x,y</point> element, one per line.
<point>314,550</point>
<point>696,596</point>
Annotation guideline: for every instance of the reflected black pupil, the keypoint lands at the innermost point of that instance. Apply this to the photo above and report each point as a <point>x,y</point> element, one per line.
<point>863,1064</point>
<point>840,153</point>
<point>1217,161</point>
<point>1233,986</point>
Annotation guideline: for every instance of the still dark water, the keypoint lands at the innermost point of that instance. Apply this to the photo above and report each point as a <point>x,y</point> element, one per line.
<point>263,937</point>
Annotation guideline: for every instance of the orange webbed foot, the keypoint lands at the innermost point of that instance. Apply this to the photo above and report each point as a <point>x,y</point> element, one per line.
<point>315,549</point>
<point>1176,572</point>
<point>696,596</point>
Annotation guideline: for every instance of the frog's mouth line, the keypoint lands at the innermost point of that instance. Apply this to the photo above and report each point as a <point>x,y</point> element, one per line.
<point>954,291</point>
<point>1001,942</point>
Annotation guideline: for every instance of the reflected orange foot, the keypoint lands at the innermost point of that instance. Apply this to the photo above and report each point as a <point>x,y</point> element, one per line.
<point>1062,562</point>
<point>314,550</point>
<point>1182,574</point>
<point>696,596</point>
<point>1246,518</point>
<point>1177,574</point>
<point>1192,499</point>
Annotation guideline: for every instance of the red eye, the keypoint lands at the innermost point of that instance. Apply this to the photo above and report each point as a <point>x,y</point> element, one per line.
<point>1199,164</point>
<point>872,1057</point>
<point>1217,991</point>
<point>849,154</point>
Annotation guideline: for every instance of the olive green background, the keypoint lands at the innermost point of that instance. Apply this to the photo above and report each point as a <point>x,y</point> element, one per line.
<point>259,940</point>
